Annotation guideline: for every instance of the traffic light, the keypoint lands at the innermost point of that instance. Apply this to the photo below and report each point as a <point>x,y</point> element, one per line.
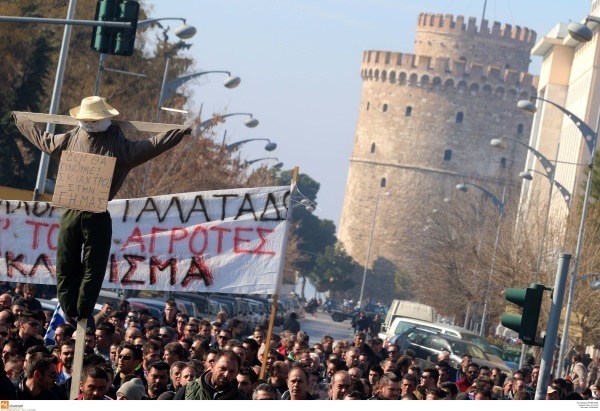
<point>111,40</point>
<point>530,299</point>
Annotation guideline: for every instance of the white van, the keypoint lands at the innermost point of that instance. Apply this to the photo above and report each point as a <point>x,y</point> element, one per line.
<point>407,309</point>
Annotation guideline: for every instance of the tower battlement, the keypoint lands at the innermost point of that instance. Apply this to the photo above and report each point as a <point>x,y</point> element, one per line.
<point>448,24</point>
<point>394,67</point>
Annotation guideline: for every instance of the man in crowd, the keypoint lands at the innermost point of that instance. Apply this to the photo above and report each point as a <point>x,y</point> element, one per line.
<point>105,312</point>
<point>94,384</point>
<point>173,352</point>
<point>128,360</point>
<point>340,385</point>
<point>472,373</point>
<point>297,384</point>
<point>28,332</point>
<point>67,354</point>
<point>104,338</point>
<point>158,379</point>
<point>63,332</point>
<point>150,354</point>
<point>279,375</point>
<point>40,375</point>
<point>389,388</point>
<point>31,303</point>
<point>169,318</point>
<point>217,384</point>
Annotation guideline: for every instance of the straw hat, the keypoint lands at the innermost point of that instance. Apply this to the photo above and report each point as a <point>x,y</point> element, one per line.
<point>93,108</point>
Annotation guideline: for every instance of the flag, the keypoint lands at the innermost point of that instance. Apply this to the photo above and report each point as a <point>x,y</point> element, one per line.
<point>58,318</point>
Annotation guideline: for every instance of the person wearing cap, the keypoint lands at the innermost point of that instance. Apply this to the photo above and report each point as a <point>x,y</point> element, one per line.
<point>552,394</point>
<point>131,390</point>
<point>79,282</point>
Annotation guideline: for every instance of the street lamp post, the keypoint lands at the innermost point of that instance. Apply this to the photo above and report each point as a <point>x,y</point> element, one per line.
<point>500,206</point>
<point>550,170</point>
<point>362,287</point>
<point>590,137</point>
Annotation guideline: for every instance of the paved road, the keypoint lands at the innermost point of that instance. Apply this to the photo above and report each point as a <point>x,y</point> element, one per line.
<point>324,325</point>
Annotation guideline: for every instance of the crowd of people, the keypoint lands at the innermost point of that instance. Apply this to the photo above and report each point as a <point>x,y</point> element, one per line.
<point>129,355</point>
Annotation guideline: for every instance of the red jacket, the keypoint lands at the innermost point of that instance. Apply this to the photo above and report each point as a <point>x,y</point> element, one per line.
<point>464,384</point>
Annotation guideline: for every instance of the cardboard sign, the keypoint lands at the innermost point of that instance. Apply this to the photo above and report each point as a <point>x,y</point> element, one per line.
<point>83,181</point>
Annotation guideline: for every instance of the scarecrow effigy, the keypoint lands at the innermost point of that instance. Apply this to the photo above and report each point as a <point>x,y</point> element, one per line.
<point>84,237</point>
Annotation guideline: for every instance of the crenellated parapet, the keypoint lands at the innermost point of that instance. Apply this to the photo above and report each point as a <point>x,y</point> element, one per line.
<point>426,71</point>
<point>449,24</point>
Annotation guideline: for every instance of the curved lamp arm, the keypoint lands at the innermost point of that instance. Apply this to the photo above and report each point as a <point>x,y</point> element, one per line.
<point>172,86</point>
<point>499,204</point>
<point>548,166</point>
<point>150,21</point>
<point>566,194</point>
<point>235,145</point>
<point>251,122</point>
<point>589,135</point>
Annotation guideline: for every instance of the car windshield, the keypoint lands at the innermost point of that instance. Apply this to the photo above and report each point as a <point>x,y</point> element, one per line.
<point>461,347</point>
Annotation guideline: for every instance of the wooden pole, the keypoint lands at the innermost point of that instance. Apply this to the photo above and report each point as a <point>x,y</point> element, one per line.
<point>123,124</point>
<point>263,367</point>
<point>78,358</point>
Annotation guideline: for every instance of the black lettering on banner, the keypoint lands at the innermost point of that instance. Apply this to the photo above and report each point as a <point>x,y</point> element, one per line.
<point>174,200</point>
<point>126,212</point>
<point>250,207</point>
<point>156,264</point>
<point>148,207</point>
<point>17,206</point>
<point>270,200</point>
<point>224,206</point>
<point>131,259</point>
<point>197,199</point>
<point>285,200</point>
<point>198,271</point>
<point>36,208</point>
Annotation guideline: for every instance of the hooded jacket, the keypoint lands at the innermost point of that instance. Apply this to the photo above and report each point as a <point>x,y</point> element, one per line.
<point>202,390</point>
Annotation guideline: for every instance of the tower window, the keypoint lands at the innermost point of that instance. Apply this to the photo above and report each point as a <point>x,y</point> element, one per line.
<point>520,129</point>
<point>447,155</point>
<point>503,162</point>
<point>372,148</point>
<point>368,104</point>
<point>408,111</point>
<point>382,183</point>
<point>459,117</point>
<point>385,106</point>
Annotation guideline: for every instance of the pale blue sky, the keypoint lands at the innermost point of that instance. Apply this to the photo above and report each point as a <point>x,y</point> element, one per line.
<point>299,61</point>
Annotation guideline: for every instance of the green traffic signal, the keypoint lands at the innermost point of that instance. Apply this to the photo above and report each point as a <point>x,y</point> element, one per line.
<point>530,299</point>
<point>110,40</point>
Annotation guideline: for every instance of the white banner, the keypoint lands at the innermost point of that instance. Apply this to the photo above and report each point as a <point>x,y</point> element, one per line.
<point>226,241</point>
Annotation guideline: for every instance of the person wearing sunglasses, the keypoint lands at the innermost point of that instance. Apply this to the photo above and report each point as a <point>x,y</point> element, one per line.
<point>472,373</point>
<point>129,358</point>
<point>28,330</point>
<point>222,338</point>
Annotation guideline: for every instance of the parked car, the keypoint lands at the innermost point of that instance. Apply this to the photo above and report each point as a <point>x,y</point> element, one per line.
<point>427,344</point>
<point>156,307</point>
<point>401,324</point>
<point>509,359</point>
